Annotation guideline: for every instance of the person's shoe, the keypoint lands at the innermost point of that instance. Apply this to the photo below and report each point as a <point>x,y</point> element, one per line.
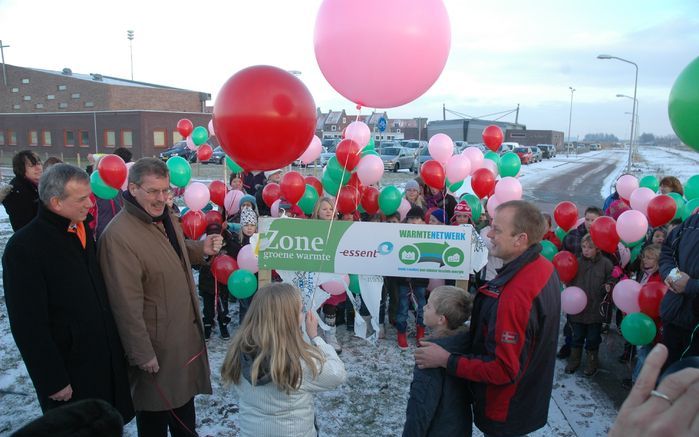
<point>331,339</point>
<point>574,360</point>
<point>419,334</point>
<point>564,352</point>
<point>592,363</point>
<point>207,332</point>
<point>403,340</point>
<point>224,331</point>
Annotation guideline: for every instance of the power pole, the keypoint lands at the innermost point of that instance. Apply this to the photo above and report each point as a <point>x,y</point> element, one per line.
<point>2,53</point>
<point>517,115</point>
<point>129,35</point>
<point>444,111</point>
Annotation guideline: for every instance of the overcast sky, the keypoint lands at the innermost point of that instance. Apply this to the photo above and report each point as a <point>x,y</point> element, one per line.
<point>503,52</point>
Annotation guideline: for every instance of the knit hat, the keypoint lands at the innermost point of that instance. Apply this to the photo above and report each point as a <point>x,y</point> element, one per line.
<point>271,172</point>
<point>248,217</point>
<point>247,198</point>
<point>415,212</point>
<point>412,185</point>
<point>437,213</point>
<point>462,208</point>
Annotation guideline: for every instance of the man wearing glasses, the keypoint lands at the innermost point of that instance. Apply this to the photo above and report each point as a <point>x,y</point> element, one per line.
<point>147,270</point>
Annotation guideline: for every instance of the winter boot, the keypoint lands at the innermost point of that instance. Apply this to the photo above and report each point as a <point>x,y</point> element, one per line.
<point>592,363</point>
<point>207,332</point>
<point>574,360</point>
<point>223,328</point>
<point>382,332</point>
<point>419,334</point>
<point>403,340</point>
<point>329,335</point>
<point>564,352</point>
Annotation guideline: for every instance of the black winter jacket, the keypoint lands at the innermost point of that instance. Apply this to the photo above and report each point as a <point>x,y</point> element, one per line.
<point>22,202</point>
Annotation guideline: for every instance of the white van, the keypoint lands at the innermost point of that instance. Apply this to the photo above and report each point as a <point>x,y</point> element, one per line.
<point>507,147</point>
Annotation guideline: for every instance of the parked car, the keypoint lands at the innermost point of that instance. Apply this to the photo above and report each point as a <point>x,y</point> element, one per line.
<point>525,155</point>
<point>396,158</point>
<point>422,156</point>
<point>459,146</point>
<point>179,149</point>
<point>537,155</point>
<point>547,150</point>
<point>595,147</point>
<point>414,146</point>
<point>507,147</point>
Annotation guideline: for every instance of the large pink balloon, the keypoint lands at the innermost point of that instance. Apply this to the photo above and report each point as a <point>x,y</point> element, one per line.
<point>403,208</point>
<point>493,203</point>
<point>313,151</point>
<point>631,226</point>
<point>458,168</point>
<point>196,196</point>
<point>573,300</point>
<point>125,185</point>
<point>335,287</point>
<point>247,259</point>
<point>475,155</point>
<point>352,38</point>
<point>441,147</point>
<point>640,198</point>
<point>370,169</point>
<point>508,188</point>
<point>358,132</point>
<point>232,201</point>
<point>625,296</point>
<point>625,185</point>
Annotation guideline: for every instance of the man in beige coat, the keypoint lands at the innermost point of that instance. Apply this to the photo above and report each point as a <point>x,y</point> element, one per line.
<point>147,269</point>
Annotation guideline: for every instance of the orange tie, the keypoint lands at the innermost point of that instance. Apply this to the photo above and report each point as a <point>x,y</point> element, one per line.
<point>79,230</point>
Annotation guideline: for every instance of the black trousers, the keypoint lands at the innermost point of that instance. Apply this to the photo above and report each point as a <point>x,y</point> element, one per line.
<point>157,423</point>
<point>221,312</point>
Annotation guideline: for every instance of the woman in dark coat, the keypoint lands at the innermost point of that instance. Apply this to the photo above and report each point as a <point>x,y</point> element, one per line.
<point>22,202</point>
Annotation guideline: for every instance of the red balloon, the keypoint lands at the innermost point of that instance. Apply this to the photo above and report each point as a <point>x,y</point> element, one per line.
<point>264,118</point>
<point>492,137</point>
<point>432,173</point>
<point>482,182</point>
<point>204,152</point>
<point>661,209</point>
<point>348,154</point>
<point>315,183</point>
<point>370,200</point>
<point>356,183</point>
<point>604,235</point>
<point>347,200</point>
<point>222,266</point>
<point>271,193</point>
<point>649,298</point>
<point>293,186</point>
<point>185,127</point>
<point>566,265</point>
<point>566,215</point>
<point>217,190</point>
<point>112,170</point>
<point>212,217</point>
<point>194,224</point>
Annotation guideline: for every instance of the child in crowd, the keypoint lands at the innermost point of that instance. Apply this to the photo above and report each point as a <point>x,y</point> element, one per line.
<point>659,236</point>
<point>435,216</point>
<point>439,404</point>
<point>248,227</point>
<point>462,214</point>
<point>235,181</point>
<point>550,235</point>
<point>594,277</point>
<point>413,194</point>
<point>247,201</point>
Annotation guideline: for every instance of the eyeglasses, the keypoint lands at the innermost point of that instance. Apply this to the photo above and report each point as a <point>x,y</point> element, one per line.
<point>154,193</point>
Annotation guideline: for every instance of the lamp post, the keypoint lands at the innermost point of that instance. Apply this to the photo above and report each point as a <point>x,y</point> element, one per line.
<point>633,117</point>
<point>129,35</point>
<point>2,52</point>
<point>570,118</point>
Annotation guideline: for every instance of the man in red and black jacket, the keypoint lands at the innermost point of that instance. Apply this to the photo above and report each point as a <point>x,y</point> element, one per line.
<point>514,330</point>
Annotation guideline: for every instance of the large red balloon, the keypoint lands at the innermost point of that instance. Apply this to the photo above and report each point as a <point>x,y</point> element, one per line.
<point>112,170</point>
<point>347,200</point>
<point>604,235</point>
<point>566,265</point>
<point>213,217</point>
<point>271,193</point>
<point>217,191</point>
<point>492,137</point>
<point>293,186</point>
<point>222,266</point>
<point>370,200</point>
<point>204,152</point>
<point>264,118</point>
<point>661,209</point>
<point>649,298</point>
<point>566,215</point>
<point>185,127</point>
<point>315,183</point>
<point>432,173</point>
<point>194,224</point>
<point>348,154</point>
<point>482,182</point>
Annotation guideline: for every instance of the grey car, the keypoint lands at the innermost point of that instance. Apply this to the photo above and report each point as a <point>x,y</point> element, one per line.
<point>422,156</point>
<point>547,150</point>
<point>537,155</point>
<point>396,158</point>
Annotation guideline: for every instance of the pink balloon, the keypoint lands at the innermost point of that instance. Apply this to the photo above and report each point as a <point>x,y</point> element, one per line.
<point>625,296</point>
<point>458,168</point>
<point>624,255</point>
<point>403,208</point>
<point>573,300</point>
<point>508,188</point>
<point>370,169</point>
<point>441,147</point>
<point>640,198</point>
<point>313,151</point>
<point>211,128</point>
<point>625,185</point>
<point>232,201</point>
<point>125,185</point>
<point>490,165</point>
<point>335,287</point>
<point>631,226</point>
<point>493,203</point>
<point>196,196</point>
<point>359,132</point>
<point>434,283</point>
<point>274,209</point>
<point>347,32</point>
<point>247,259</point>
<point>190,143</point>
<point>475,155</point>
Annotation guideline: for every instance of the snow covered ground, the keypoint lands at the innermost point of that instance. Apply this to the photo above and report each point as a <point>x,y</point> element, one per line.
<point>372,401</point>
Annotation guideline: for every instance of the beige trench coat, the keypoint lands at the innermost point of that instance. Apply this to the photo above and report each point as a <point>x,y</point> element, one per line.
<point>152,294</point>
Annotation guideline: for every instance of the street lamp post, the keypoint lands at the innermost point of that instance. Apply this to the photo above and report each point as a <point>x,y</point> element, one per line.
<point>129,35</point>
<point>570,118</point>
<point>633,117</point>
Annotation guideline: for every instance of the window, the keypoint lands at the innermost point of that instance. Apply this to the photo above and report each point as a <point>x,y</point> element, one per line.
<point>27,98</point>
<point>39,106</point>
<point>126,138</point>
<point>25,80</point>
<point>344,120</point>
<point>45,137</point>
<point>11,137</point>
<point>62,105</point>
<point>83,138</point>
<point>89,104</point>
<point>33,137</point>
<point>68,138</point>
<point>2,138</point>
<point>50,97</point>
<point>333,128</point>
<point>15,106</point>
<point>61,87</point>
<point>15,90</point>
<point>159,136</point>
<point>109,138</point>
<point>176,137</point>
<point>75,96</point>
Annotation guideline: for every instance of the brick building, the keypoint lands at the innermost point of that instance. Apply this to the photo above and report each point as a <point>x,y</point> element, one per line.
<point>331,124</point>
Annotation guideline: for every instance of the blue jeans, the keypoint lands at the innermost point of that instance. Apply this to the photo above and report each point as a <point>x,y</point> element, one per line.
<point>592,332</point>
<point>641,354</point>
<point>404,305</point>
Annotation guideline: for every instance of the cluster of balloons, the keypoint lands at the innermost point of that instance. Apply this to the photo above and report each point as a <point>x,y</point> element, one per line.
<point>196,137</point>
<point>111,176</point>
<point>238,274</point>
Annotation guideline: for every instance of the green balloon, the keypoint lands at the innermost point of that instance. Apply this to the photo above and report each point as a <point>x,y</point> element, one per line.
<point>560,233</point>
<point>689,208</point>
<point>371,143</point>
<point>354,284</point>
<point>367,151</point>
<point>242,284</point>
<point>330,185</point>
<point>548,250</point>
<point>180,171</point>
<point>199,135</point>
<point>683,105</point>
<point>337,172</point>
<point>455,186</point>
<point>233,166</point>
<point>638,329</point>
<point>509,164</point>
<point>389,199</point>
<point>101,190</point>
<point>636,252</point>
<point>308,200</point>
<point>650,182</point>
<point>680,204</point>
<point>635,243</point>
<point>493,157</point>
<point>691,188</point>
<point>475,204</point>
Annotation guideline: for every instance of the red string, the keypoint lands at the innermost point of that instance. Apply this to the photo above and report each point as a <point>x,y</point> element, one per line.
<point>169,405</point>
